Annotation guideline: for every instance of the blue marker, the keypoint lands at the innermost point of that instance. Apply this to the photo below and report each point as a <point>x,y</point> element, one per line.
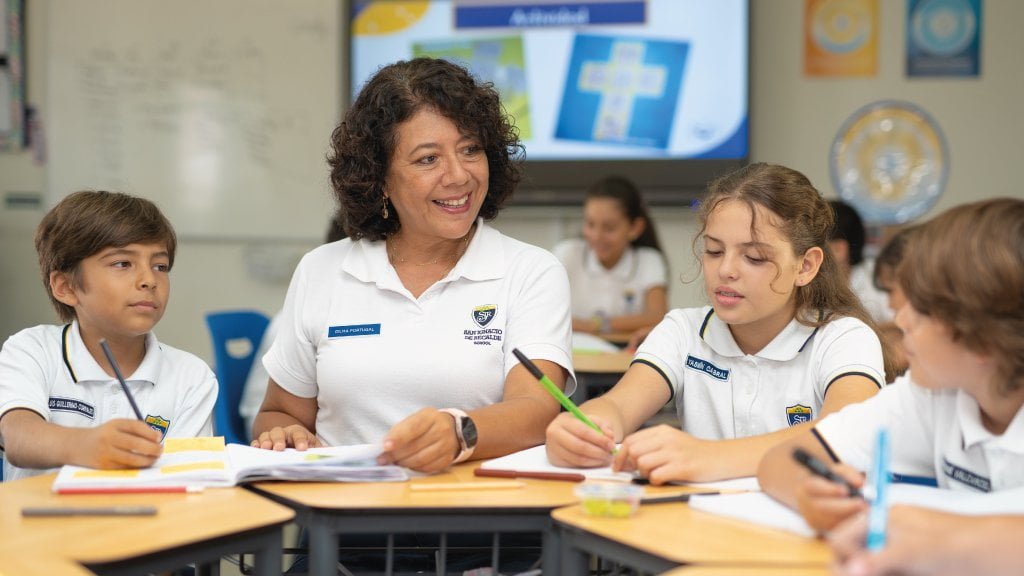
<point>878,513</point>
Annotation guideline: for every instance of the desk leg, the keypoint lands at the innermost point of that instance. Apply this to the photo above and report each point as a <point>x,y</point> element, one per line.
<point>323,549</point>
<point>551,561</point>
<point>268,558</point>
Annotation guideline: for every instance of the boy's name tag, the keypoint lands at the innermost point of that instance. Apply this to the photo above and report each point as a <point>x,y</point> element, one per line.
<point>353,330</point>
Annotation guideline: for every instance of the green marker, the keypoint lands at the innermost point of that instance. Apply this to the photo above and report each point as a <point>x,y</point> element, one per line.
<point>554,391</point>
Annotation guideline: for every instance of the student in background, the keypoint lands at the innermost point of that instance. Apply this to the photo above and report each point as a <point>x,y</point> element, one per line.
<point>256,382</point>
<point>617,271</point>
<point>847,241</point>
<point>885,282</point>
<point>884,275</point>
<point>785,341</point>
<point>105,259</point>
<point>956,417</point>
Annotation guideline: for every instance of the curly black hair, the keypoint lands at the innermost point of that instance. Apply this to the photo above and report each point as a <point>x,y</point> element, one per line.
<point>362,145</point>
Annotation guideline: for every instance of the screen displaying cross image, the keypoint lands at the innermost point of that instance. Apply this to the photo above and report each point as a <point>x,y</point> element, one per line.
<point>655,90</point>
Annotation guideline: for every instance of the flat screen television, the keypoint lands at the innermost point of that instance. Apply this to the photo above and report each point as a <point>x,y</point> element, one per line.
<point>654,90</point>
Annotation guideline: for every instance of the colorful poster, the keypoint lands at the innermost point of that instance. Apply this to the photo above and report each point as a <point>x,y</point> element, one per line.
<point>943,37</point>
<point>840,37</point>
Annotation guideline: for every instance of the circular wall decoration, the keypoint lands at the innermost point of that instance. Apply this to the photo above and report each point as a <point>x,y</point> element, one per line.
<point>890,161</point>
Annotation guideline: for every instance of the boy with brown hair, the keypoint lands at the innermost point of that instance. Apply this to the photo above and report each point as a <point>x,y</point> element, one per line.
<point>105,259</point>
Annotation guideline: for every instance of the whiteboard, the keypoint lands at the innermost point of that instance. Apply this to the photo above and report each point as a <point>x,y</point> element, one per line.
<point>219,111</point>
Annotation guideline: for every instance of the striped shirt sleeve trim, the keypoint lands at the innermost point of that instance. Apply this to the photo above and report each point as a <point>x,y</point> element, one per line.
<point>671,392</point>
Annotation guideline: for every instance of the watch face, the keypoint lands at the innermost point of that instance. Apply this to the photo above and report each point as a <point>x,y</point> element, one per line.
<point>469,432</point>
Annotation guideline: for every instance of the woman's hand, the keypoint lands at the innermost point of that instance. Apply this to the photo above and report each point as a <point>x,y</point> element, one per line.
<point>425,442</point>
<point>294,436</point>
<point>572,443</point>
<point>824,503</point>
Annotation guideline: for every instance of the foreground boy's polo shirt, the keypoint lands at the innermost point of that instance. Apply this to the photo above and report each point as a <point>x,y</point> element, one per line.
<point>934,434</point>
<point>720,392</point>
<point>48,370</point>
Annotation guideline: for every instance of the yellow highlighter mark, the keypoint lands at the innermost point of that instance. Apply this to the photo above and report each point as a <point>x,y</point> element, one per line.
<point>205,444</point>
<point>190,466</point>
<point>107,474</point>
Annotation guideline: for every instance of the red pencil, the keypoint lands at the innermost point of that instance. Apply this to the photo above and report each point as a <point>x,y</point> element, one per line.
<point>569,476</point>
<point>128,490</point>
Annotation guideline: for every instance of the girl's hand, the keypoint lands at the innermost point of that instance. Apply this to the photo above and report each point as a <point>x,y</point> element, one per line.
<point>572,443</point>
<point>664,453</point>
<point>293,436</point>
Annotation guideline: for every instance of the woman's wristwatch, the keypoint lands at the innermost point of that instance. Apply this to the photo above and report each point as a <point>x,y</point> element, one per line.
<point>465,431</point>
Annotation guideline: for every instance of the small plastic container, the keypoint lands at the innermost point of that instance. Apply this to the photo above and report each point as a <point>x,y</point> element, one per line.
<point>609,499</point>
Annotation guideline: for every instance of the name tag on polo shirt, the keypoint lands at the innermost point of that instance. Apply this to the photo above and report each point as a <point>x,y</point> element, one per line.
<point>694,363</point>
<point>58,404</point>
<point>353,330</point>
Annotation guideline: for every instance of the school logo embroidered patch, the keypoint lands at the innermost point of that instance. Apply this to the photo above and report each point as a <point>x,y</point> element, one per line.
<point>157,423</point>
<point>700,365</point>
<point>798,414</point>
<point>483,315</point>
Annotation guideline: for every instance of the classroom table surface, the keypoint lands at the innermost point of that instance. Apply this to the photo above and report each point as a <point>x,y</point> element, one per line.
<point>18,562</point>
<point>182,521</point>
<point>529,494</point>
<point>601,362</point>
<point>677,533</point>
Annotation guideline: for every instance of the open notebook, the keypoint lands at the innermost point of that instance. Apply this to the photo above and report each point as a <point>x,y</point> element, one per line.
<point>760,508</point>
<point>195,462</point>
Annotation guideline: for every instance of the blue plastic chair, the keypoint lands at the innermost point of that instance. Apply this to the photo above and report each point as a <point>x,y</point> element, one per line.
<point>236,336</point>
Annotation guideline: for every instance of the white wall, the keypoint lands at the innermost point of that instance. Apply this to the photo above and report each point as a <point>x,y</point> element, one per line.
<point>794,120</point>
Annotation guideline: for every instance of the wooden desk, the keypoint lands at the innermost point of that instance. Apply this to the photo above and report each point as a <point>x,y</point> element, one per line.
<point>597,372</point>
<point>37,563</point>
<point>602,362</point>
<point>199,528</point>
<point>663,536</point>
<point>329,510</point>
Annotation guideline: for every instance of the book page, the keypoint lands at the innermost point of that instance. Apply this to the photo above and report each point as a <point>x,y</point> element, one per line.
<point>536,460</point>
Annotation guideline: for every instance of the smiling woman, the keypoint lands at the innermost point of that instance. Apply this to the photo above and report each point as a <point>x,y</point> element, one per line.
<point>423,158</point>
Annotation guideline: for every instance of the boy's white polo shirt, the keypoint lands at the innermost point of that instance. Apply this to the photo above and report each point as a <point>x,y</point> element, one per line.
<point>720,392</point>
<point>353,337</point>
<point>615,292</point>
<point>935,434</point>
<point>47,369</point>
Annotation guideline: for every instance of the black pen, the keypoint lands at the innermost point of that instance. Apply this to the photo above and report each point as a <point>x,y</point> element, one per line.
<point>90,511</point>
<point>818,468</point>
<point>673,498</point>
<point>120,378</point>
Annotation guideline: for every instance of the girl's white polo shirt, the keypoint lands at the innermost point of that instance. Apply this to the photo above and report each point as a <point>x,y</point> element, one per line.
<point>353,337</point>
<point>720,392</point>
<point>47,369</point>
<point>616,292</point>
<point>935,434</point>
